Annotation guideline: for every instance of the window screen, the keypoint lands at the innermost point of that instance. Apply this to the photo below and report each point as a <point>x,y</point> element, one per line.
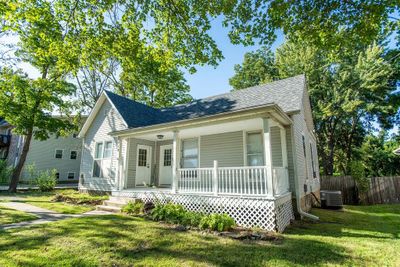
<point>190,153</point>
<point>255,151</point>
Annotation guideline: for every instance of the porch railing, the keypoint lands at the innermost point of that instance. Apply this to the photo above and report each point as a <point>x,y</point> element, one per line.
<point>245,181</point>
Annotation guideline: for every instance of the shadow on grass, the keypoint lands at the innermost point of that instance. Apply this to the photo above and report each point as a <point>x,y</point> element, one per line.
<point>120,240</point>
<point>378,222</point>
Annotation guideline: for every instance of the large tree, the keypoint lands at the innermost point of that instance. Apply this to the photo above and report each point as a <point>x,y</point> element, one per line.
<point>348,93</point>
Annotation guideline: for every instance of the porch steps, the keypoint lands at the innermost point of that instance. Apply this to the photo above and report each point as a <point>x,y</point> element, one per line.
<point>114,204</point>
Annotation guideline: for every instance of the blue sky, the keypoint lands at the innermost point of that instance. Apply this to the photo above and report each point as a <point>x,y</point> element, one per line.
<point>208,81</point>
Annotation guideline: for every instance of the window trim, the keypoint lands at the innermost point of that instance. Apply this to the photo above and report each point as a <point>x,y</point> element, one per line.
<point>68,173</point>
<point>102,156</point>
<point>245,139</point>
<point>76,154</point>
<point>55,153</point>
<point>182,158</point>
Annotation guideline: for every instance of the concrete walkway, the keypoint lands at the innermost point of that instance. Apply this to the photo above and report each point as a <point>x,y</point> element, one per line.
<point>44,215</point>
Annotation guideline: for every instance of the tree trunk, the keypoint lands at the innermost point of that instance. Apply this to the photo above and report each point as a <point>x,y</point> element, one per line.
<point>18,169</point>
<point>330,156</point>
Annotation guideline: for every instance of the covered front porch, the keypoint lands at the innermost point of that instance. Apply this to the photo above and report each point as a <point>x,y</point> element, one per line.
<point>244,157</point>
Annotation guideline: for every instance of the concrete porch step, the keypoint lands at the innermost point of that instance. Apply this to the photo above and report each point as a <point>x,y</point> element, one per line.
<point>113,203</point>
<point>108,208</point>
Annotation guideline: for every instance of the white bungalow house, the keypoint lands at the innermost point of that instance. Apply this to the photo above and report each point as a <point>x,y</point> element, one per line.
<point>247,153</point>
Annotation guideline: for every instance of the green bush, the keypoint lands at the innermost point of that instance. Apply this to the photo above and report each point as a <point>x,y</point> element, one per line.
<point>174,213</point>
<point>133,207</point>
<point>217,222</point>
<point>46,180</point>
<point>75,197</point>
<point>5,172</point>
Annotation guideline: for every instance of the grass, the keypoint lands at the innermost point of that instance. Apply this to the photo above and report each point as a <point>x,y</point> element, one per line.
<point>357,236</point>
<point>8,216</point>
<point>44,200</point>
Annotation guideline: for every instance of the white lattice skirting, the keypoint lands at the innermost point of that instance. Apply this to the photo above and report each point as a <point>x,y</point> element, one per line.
<point>272,215</point>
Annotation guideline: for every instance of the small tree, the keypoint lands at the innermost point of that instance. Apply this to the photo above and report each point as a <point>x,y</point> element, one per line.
<point>28,105</point>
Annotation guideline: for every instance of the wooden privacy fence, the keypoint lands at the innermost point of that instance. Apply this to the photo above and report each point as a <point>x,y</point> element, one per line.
<point>382,190</point>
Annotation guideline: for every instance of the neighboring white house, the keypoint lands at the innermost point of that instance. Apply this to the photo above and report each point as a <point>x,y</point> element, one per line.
<point>60,153</point>
<point>247,153</point>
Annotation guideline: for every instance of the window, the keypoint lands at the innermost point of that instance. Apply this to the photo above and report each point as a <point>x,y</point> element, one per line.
<point>107,149</point>
<point>74,154</point>
<point>190,153</point>
<point>142,160</point>
<point>97,168</point>
<point>75,135</point>
<point>98,153</point>
<point>167,157</point>
<point>71,175</point>
<point>255,150</point>
<point>304,146</point>
<point>59,154</point>
<point>57,176</point>
<point>312,161</point>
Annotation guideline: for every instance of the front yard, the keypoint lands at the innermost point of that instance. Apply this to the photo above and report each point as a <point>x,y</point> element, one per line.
<point>8,216</point>
<point>359,235</point>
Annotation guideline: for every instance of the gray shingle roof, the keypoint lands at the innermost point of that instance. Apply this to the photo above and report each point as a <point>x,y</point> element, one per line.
<point>286,93</point>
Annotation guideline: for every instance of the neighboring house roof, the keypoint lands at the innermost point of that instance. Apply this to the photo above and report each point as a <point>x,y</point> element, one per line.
<point>3,123</point>
<point>286,93</point>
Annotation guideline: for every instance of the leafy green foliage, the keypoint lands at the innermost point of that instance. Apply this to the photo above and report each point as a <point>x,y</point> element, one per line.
<point>349,90</point>
<point>175,213</point>
<point>131,207</point>
<point>5,172</point>
<point>46,180</point>
<point>217,222</point>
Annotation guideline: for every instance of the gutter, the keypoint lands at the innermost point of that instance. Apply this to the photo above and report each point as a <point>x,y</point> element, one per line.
<point>296,185</point>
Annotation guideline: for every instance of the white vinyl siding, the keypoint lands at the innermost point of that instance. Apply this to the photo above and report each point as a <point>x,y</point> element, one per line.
<point>227,148</point>
<point>276,147</point>
<point>105,122</point>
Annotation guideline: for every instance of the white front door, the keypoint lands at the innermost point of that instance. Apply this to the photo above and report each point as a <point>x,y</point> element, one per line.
<point>165,176</point>
<point>143,165</point>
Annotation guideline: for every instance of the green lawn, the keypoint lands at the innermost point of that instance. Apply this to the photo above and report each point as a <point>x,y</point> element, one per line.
<point>8,216</point>
<point>43,200</point>
<point>359,236</point>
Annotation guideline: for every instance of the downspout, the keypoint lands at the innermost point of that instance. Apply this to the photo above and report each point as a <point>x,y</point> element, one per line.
<point>296,184</point>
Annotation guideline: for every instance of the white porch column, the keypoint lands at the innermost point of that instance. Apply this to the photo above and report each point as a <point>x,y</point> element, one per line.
<point>268,156</point>
<point>175,161</point>
<point>284,156</point>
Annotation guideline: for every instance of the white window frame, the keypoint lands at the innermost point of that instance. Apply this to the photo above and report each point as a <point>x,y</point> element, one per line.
<point>104,149</point>
<point>198,151</point>
<point>102,156</point>
<point>245,134</point>
<point>70,153</point>
<point>68,173</point>
<point>62,153</point>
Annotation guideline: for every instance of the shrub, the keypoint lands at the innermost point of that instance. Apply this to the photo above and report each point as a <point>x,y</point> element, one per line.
<point>5,172</point>
<point>75,197</point>
<point>174,213</point>
<point>46,180</point>
<point>217,222</point>
<point>192,218</point>
<point>133,208</point>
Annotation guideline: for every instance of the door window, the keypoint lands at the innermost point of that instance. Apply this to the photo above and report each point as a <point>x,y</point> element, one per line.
<point>167,157</point>
<point>142,160</point>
